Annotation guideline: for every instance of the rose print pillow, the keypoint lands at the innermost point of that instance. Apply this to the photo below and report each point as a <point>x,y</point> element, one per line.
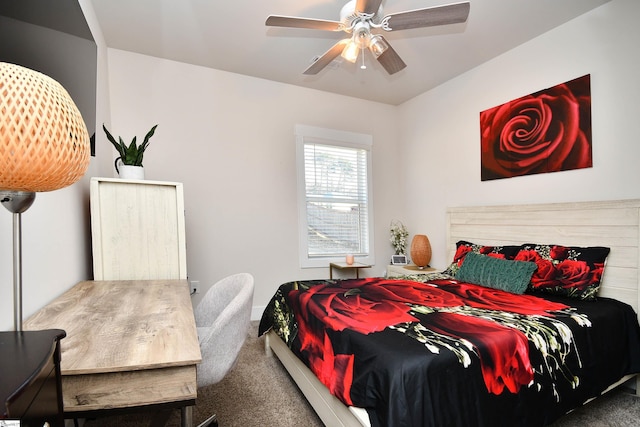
<point>463,248</point>
<point>565,270</point>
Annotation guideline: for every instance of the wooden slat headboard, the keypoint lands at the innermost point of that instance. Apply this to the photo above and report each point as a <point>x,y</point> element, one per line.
<point>614,224</point>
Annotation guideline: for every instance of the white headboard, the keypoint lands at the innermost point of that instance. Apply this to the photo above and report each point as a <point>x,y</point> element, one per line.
<point>614,224</point>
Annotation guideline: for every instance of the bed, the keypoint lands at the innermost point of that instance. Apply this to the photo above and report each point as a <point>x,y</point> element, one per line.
<point>449,375</point>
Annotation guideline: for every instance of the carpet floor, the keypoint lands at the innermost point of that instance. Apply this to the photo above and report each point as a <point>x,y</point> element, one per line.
<point>259,392</point>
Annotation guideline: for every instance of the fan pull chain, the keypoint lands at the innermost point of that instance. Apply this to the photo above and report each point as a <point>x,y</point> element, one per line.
<point>363,67</point>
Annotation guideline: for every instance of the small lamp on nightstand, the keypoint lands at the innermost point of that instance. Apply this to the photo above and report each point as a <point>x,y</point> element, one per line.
<point>420,250</point>
<point>44,146</point>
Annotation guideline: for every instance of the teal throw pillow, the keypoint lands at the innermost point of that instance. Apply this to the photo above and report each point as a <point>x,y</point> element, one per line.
<point>507,275</point>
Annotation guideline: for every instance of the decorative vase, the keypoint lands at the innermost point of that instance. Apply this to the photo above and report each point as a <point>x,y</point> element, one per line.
<point>420,250</point>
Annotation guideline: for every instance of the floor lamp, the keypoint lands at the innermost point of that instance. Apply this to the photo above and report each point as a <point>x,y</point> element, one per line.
<point>44,146</point>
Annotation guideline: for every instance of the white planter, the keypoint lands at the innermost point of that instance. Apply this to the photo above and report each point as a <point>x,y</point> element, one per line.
<point>131,172</point>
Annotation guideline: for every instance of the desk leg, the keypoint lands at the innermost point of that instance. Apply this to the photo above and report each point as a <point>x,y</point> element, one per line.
<point>357,273</point>
<point>186,413</point>
<point>330,272</point>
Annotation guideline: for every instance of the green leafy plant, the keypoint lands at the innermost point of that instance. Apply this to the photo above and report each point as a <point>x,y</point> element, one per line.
<point>131,154</point>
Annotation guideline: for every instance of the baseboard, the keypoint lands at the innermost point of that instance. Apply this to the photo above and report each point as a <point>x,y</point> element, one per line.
<point>256,312</point>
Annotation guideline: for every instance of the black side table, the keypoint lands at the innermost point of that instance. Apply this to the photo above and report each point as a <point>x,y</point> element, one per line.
<point>30,381</point>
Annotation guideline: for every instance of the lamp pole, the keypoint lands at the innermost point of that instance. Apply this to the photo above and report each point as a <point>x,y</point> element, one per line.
<point>17,202</point>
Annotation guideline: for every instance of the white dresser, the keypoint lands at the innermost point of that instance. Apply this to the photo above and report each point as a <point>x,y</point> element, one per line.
<point>138,230</point>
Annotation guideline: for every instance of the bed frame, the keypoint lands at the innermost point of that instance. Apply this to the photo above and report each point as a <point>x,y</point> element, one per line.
<point>615,224</point>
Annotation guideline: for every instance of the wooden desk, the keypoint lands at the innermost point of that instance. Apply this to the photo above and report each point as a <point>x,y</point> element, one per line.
<point>344,266</point>
<point>128,344</point>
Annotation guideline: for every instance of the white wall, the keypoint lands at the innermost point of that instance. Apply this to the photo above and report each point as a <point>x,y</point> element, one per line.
<point>441,132</point>
<point>229,138</point>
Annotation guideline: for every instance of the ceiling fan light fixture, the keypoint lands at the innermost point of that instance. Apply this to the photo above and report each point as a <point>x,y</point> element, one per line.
<point>350,52</point>
<point>377,46</point>
<point>359,17</point>
<point>362,35</point>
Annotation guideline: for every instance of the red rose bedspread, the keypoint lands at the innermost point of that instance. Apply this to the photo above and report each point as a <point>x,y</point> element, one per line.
<point>451,353</point>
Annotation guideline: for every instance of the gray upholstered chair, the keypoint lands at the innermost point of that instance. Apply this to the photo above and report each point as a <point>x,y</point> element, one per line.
<point>223,318</point>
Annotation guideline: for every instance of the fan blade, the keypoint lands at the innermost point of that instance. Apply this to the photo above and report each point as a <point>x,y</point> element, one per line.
<point>368,6</point>
<point>428,17</point>
<point>326,57</point>
<point>307,23</point>
<point>390,59</point>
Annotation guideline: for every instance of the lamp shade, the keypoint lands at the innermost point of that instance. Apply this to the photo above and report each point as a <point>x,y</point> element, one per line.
<point>44,143</point>
<point>420,250</point>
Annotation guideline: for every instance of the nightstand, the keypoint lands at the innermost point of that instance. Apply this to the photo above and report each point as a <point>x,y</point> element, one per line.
<point>344,266</point>
<point>404,270</point>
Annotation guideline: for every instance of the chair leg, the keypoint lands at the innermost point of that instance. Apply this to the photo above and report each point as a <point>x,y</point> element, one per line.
<point>211,421</point>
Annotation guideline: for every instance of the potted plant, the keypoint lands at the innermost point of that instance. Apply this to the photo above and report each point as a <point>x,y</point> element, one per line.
<point>130,155</point>
<point>399,235</point>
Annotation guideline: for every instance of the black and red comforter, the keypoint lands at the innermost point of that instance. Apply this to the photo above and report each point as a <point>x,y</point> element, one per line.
<point>451,353</point>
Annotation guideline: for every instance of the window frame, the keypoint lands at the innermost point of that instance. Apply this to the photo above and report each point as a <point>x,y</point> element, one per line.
<point>331,137</point>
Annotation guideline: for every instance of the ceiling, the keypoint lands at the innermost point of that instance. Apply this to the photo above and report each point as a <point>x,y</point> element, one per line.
<point>231,35</point>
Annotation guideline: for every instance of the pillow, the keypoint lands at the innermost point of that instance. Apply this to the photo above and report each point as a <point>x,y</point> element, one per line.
<point>492,272</point>
<point>565,270</point>
<point>463,248</point>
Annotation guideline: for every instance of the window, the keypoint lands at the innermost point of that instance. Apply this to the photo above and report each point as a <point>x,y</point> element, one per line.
<point>334,196</point>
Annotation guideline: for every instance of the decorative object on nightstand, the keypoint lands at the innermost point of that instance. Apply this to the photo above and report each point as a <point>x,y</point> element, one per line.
<point>44,144</point>
<point>420,250</point>
<point>399,235</point>
<point>399,260</point>
<point>130,159</point>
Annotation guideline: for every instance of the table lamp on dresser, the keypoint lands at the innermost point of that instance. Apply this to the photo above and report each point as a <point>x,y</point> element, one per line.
<point>44,146</point>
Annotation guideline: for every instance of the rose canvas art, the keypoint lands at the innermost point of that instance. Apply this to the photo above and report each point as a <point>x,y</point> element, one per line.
<point>546,131</point>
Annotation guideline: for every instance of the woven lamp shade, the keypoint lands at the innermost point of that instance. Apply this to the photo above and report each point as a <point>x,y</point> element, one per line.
<point>420,250</point>
<point>44,143</point>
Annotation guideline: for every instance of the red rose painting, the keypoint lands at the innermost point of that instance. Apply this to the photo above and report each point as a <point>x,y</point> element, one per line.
<point>547,131</point>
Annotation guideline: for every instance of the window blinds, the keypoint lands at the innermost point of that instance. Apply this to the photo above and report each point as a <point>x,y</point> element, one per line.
<point>336,199</point>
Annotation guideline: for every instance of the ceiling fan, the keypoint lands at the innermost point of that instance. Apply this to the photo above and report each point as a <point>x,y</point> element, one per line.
<point>359,17</point>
